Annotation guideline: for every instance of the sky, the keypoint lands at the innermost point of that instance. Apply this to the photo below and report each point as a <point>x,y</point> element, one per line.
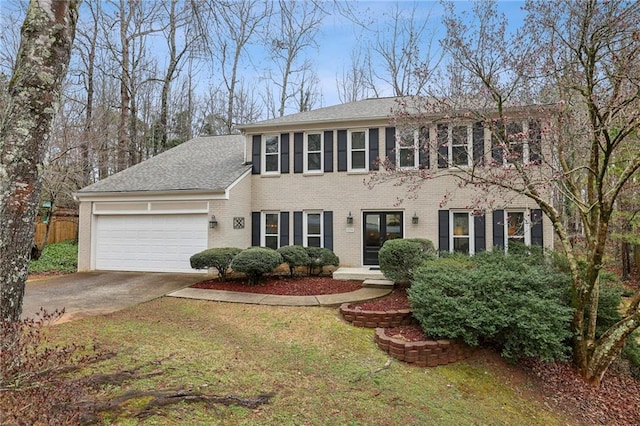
<point>338,36</point>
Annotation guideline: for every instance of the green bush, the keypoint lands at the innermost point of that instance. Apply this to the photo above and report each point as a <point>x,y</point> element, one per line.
<point>294,256</point>
<point>400,258</point>
<point>60,257</point>
<point>320,257</point>
<point>218,258</point>
<point>512,301</point>
<point>256,261</point>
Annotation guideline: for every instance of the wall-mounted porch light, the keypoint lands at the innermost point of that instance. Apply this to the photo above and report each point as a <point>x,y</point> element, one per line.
<point>213,222</point>
<point>349,219</point>
<point>415,219</point>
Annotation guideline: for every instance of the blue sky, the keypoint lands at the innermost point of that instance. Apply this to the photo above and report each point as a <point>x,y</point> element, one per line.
<point>339,36</point>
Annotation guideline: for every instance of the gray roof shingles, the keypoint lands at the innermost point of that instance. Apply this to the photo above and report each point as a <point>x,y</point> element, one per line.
<point>201,164</point>
<point>374,108</point>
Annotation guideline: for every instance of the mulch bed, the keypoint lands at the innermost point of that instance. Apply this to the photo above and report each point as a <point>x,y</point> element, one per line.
<point>284,285</point>
<point>395,300</point>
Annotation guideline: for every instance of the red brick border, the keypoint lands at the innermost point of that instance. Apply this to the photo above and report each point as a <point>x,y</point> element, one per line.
<point>428,353</point>
<point>373,319</point>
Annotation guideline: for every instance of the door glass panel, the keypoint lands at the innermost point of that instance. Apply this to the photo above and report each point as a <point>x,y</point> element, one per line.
<point>394,226</point>
<point>372,230</point>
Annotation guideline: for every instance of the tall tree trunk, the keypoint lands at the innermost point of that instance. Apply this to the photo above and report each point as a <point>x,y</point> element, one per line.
<point>124,141</point>
<point>34,90</point>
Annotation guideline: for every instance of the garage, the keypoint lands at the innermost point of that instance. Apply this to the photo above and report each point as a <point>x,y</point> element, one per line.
<point>148,242</point>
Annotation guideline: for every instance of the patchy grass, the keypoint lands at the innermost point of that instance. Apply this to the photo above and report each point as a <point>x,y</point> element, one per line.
<point>57,257</point>
<point>319,367</point>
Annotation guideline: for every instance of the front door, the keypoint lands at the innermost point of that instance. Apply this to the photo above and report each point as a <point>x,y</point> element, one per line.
<point>378,228</point>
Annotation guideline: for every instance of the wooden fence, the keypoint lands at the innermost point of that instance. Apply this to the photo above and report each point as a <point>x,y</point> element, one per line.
<point>62,229</point>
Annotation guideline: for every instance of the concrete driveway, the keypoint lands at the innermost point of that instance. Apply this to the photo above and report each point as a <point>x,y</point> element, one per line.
<point>94,293</point>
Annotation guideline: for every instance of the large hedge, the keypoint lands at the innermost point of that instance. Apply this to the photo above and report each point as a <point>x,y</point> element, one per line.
<point>218,258</point>
<point>256,261</point>
<point>514,301</point>
<point>320,257</point>
<point>400,258</point>
<point>294,256</point>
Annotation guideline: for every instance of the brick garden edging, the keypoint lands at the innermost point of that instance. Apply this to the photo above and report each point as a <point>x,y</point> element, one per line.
<point>373,319</point>
<point>427,353</point>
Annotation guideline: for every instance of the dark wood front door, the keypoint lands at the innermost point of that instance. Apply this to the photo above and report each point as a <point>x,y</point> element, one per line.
<point>378,228</point>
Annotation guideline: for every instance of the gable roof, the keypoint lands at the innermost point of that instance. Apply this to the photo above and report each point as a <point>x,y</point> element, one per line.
<point>365,110</point>
<point>209,164</point>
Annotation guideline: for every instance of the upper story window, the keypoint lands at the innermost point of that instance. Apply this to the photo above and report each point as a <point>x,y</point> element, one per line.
<point>520,142</point>
<point>407,145</point>
<point>357,150</point>
<point>271,154</point>
<point>313,152</point>
<point>461,232</point>
<point>270,231</point>
<point>313,229</point>
<point>455,145</point>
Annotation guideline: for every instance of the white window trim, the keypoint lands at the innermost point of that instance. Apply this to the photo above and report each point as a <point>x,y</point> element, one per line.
<point>306,153</point>
<point>525,146</point>
<point>527,226</point>
<point>263,231</point>
<point>264,154</point>
<point>350,152</point>
<point>416,152</point>
<point>469,127</point>
<point>305,228</point>
<point>471,231</point>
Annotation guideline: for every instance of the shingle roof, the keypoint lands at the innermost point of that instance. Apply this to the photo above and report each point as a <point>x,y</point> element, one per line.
<point>201,164</point>
<point>367,109</point>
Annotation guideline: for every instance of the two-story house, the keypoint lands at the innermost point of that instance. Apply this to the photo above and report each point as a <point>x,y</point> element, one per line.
<point>306,179</point>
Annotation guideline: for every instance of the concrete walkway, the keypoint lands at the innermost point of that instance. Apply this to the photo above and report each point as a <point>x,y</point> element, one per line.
<point>361,294</point>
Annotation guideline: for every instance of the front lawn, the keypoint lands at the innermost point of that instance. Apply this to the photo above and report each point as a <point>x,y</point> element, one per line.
<point>321,370</point>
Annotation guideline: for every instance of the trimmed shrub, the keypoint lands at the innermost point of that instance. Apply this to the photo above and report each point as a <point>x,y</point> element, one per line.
<point>512,301</point>
<point>400,258</point>
<point>218,258</point>
<point>294,256</point>
<point>256,261</point>
<point>319,257</point>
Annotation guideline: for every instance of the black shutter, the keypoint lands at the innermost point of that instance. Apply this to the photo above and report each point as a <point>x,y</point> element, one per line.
<point>535,141</point>
<point>443,146</point>
<point>298,152</point>
<point>328,151</point>
<point>443,230</point>
<point>390,146</point>
<point>256,147</point>
<point>497,134</point>
<point>478,144</point>
<point>498,229</point>
<point>536,227</point>
<point>479,233</point>
<point>342,150</point>
<point>297,229</point>
<point>423,148</point>
<point>284,229</point>
<point>374,148</point>
<point>255,229</point>
<point>327,218</point>
<point>284,153</point>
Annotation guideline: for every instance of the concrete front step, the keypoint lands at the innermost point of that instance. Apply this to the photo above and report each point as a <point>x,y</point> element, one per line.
<point>358,274</point>
<point>377,283</point>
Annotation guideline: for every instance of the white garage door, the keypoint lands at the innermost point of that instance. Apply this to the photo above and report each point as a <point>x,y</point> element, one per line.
<point>155,243</point>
